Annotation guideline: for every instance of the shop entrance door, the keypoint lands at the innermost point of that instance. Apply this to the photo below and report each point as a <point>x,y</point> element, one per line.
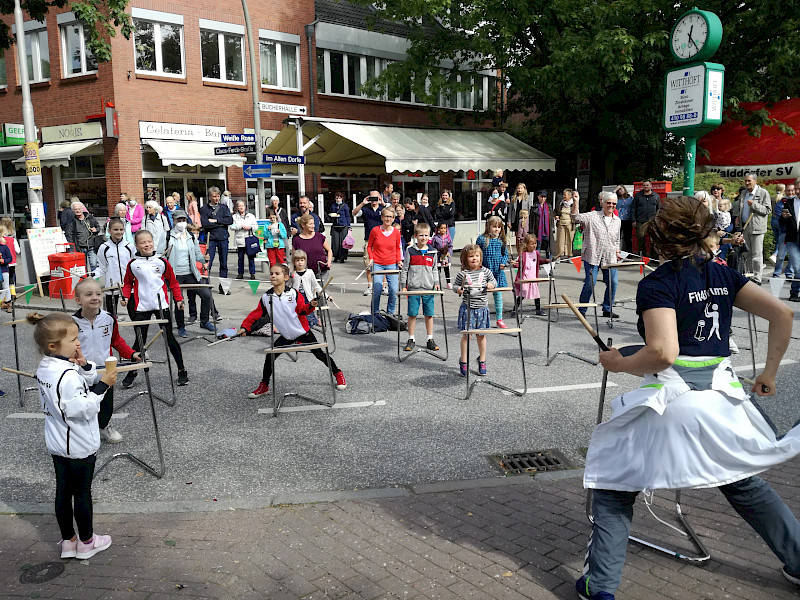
<point>410,186</point>
<point>13,200</point>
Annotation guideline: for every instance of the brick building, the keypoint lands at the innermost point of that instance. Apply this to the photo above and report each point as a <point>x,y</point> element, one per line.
<point>147,122</point>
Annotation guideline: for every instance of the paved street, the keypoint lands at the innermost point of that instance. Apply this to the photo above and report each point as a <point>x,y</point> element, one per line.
<point>363,500</point>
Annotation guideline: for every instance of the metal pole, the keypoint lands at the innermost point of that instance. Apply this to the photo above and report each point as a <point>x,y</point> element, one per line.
<point>688,166</point>
<point>301,168</point>
<point>34,196</point>
<point>256,85</point>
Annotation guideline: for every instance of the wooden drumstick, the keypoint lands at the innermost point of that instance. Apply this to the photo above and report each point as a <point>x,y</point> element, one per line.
<point>9,370</point>
<point>748,381</point>
<point>227,339</point>
<point>150,343</point>
<point>327,283</point>
<point>583,320</point>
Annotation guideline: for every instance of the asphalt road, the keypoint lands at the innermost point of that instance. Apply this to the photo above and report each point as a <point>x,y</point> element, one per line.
<point>395,425</point>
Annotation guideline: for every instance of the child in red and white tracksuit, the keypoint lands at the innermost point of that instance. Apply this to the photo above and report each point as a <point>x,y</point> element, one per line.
<point>287,309</point>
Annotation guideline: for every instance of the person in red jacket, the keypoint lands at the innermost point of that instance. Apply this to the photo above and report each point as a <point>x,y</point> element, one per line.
<point>385,254</point>
<point>148,279</point>
<point>287,310</point>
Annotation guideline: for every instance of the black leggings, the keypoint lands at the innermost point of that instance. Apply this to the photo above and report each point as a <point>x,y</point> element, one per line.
<point>74,480</point>
<point>306,338</point>
<point>106,408</point>
<point>174,346</point>
<point>447,274</point>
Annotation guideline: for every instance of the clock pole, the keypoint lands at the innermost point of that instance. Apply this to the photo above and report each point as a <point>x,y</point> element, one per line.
<point>689,153</point>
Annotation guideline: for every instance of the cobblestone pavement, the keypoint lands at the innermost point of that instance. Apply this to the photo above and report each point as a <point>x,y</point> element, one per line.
<point>512,538</point>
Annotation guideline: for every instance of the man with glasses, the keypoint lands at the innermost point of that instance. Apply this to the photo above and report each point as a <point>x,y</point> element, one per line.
<point>601,230</point>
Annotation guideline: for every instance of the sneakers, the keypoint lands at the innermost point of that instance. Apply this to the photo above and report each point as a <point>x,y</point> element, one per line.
<point>431,345</point>
<point>252,277</point>
<point>182,332</point>
<point>70,549</point>
<point>261,390</point>
<point>240,276</point>
<point>223,292</point>
<point>127,382</point>
<point>756,281</point>
<point>98,543</point>
<point>795,579</point>
<point>794,298</point>
<point>410,344</point>
<point>208,326</point>
<point>610,314</point>
<point>463,368</point>
<point>183,377</point>
<point>110,435</point>
<point>191,320</point>
<point>501,325</point>
<point>482,367</point>
<point>341,384</point>
<point>367,292</point>
<point>449,286</point>
<point>582,587</point>
<point>385,291</point>
<point>541,313</point>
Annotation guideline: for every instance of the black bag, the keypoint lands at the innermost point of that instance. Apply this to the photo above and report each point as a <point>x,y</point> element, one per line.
<point>396,322</point>
<point>357,324</point>
<point>252,245</point>
<point>735,259</point>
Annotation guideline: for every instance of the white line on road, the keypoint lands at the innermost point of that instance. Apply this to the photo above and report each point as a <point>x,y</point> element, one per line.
<point>41,416</point>
<point>785,361</point>
<point>318,407</point>
<point>564,388</point>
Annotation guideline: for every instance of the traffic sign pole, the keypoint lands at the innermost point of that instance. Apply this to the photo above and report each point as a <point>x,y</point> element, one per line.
<point>255,88</point>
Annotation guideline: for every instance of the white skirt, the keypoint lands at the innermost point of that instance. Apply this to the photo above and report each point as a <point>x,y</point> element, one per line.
<point>694,439</point>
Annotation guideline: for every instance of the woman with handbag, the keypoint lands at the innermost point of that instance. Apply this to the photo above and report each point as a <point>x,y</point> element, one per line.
<point>340,213</point>
<point>244,227</point>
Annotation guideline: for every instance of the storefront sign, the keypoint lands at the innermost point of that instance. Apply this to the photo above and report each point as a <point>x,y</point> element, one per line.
<point>13,134</point>
<point>72,133</point>
<point>179,131</point>
<point>780,170</point>
<point>292,109</point>
<point>112,122</point>
<point>33,167</point>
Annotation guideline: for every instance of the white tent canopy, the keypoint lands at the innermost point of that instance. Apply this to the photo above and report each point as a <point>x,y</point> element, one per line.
<point>372,148</point>
<point>193,154</point>
<point>58,155</point>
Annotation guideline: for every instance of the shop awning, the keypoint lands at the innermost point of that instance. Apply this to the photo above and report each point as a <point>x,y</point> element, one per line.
<point>193,154</point>
<point>58,155</point>
<point>730,151</point>
<point>372,148</point>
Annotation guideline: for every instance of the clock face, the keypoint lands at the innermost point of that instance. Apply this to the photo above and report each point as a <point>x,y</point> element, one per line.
<point>689,36</point>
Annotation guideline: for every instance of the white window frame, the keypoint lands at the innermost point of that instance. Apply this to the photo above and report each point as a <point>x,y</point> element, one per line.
<point>65,51</point>
<point>223,29</point>
<point>282,41</point>
<point>36,56</point>
<point>157,19</point>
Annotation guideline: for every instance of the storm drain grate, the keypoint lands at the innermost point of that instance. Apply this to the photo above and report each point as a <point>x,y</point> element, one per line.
<point>537,461</point>
<point>42,573</point>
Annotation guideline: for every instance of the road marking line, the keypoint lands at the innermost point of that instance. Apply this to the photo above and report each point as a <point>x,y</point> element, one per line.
<point>41,416</point>
<point>785,361</point>
<point>318,407</point>
<point>564,388</point>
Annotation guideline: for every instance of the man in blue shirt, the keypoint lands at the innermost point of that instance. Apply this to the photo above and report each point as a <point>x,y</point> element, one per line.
<point>306,208</point>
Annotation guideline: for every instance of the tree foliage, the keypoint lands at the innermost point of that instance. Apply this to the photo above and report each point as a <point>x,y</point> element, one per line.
<point>101,19</point>
<point>589,76</point>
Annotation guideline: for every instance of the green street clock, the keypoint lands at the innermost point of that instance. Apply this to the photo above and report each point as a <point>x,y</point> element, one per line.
<point>696,36</point>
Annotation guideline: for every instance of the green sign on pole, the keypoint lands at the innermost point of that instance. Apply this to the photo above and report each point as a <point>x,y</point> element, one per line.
<point>13,134</point>
<point>693,93</point>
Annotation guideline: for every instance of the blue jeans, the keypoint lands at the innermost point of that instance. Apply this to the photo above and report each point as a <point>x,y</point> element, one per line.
<point>91,259</point>
<point>793,250</point>
<point>251,260</point>
<point>782,251</point>
<point>591,279</point>
<point>377,287</point>
<point>753,498</point>
<point>452,232</point>
<point>222,246</point>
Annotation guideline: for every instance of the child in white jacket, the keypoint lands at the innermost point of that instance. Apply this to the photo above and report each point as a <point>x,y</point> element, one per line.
<point>70,407</point>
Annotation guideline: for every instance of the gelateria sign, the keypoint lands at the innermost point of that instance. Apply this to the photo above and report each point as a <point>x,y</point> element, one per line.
<point>72,133</point>
<point>149,130</point>
<point>777,171</point>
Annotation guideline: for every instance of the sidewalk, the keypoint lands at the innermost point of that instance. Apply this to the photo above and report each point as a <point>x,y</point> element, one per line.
<point>516,538</point>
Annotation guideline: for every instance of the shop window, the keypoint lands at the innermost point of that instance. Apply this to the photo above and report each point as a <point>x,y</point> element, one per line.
<point>159,45</point>
<point>280,64</point>
<point>77,58</point>
<point>84,167</point>
<point>222,56</point>
<point>37,55</point>
<point>3,80</point>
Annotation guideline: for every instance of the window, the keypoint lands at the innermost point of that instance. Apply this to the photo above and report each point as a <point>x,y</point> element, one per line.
<point>78,59</point>
<point>158,43</point>
<point>3,80</point>
<point>280,64</point>
<point>222,56</point>
<point>37,55</point>
<point>321,72</point>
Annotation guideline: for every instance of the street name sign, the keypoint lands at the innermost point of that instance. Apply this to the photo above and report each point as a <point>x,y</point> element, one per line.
<point>285,159</point>
<point>239,138</point>
<point>234,149</point>
<point>257,171</point>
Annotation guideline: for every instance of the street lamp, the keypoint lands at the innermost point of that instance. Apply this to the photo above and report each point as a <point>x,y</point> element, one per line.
<point>256,84</point>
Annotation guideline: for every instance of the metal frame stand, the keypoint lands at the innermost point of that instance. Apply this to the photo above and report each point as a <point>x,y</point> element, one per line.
<point>518,307</point>
<point>143,350</point>
<point>404,357</point>
<point>616,265</point>
<point>372,296</point>
<point>751,325</point>
<point>13,322</point>
<point>273,351</point>
<point>213,315</point>
<point>703,553</point>
<point>516,331</point>
<point>324,311</point>
<point>157,473</point>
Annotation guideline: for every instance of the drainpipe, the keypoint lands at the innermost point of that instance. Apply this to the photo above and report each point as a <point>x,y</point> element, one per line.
<point>311,61</point>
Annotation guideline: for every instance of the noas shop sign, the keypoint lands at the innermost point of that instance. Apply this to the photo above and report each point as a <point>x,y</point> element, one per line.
<point>72,133</point>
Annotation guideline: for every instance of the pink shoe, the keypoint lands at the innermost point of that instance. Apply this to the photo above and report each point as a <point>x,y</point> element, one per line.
<point>68,548</point>
<point>501,325</point>
<point>98,543</point>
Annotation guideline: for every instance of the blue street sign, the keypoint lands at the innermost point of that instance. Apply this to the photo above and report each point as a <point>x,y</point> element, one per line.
<point>239,138</point>
<point>285,159</point>
<point>257,171</point>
